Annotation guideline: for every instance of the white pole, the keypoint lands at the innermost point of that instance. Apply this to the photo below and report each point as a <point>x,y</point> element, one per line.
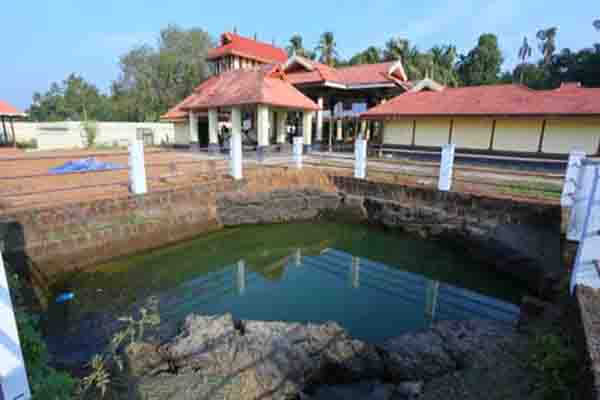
<point>360,158</point>
<point>355,272</point>
<point>446,166</point>
<point>13,375</point>
<point>583,193</point>
<point>571,176</point>
<point>137,169</point>
<point>298,144</point>
<point>235,145</point>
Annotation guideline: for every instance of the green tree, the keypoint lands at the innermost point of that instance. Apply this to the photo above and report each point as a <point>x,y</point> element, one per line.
<point>444,65</point>
<point>596,24</point>
<point>534,76</point>
<point>371,55</point>
<point>153,79</point>
<point>547,43</point>
<point>327,49</point>
<point>524,54</point>
<point>481,66</point>
<point>73,99</point>
<point>296,47</point>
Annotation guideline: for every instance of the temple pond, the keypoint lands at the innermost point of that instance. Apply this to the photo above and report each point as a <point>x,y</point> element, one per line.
<point>375,283</point>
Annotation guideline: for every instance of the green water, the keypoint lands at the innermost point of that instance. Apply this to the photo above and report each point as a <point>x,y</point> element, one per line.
<point>374,282</point>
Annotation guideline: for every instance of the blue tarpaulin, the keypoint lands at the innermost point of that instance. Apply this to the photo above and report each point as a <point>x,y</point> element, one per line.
<point>85,165</point>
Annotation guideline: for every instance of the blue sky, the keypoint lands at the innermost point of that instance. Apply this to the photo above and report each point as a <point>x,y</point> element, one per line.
<point>44,41</point>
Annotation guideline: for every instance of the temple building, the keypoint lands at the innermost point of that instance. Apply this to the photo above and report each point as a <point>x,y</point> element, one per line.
<point>494,119</point>
<point>278,96</point>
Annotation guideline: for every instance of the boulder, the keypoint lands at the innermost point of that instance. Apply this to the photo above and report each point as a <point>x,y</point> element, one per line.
<point>269,359</point>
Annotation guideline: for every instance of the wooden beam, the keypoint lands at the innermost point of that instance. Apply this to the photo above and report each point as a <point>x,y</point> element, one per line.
<point>493,135</point>
<point>542,133</point>
<point>450,131</point>
<point>414,132</point>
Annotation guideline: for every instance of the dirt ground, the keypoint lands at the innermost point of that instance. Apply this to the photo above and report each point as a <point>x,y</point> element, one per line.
<point>25,180</point>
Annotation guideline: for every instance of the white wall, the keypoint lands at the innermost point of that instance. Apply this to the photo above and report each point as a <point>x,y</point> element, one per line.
<point>65,135</point>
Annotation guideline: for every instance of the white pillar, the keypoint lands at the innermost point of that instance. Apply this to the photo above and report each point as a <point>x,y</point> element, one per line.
<point>363,128</point>
<point>281,126</point>
<point>431,299</point>
<point>262,125</point>
<point>297,149</point>
<point>307,129</point>
<point>137,168</point>
<point>298,257</point>
<point>13,375</point>
<point>339,132</point>
<point>446,166</point>
<point>360,159</point>
<point>213,129</point>
<point>571,176</point>
<point>193,129</point>
<point>320,121</point>
<point>235,144</point>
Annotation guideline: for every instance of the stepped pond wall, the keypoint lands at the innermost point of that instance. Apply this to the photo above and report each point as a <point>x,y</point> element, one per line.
<point>513,234</point>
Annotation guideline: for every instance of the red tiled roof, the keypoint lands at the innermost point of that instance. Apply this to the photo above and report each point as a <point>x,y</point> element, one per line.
<point>491,100</point>
<point>354,75</point>
<point>234,44</point>
<point>7,110</point>
<point>264,85</point>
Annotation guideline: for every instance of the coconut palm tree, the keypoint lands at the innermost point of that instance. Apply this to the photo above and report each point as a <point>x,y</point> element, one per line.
<point>395,49</point>
<point>327,49</point>
<point>547,38</point>
<point>295,46</point>
<point>524,54</point>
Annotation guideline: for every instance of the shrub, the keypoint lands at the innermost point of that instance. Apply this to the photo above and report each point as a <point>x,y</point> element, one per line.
<point>31,144</point>
<point>91,132</point>
<point>45,382</point>
<point>555,361</point>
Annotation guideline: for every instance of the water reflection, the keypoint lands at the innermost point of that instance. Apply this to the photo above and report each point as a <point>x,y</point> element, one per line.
<point>371,299</point>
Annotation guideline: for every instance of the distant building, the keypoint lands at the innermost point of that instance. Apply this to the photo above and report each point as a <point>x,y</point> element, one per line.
<point>509,119</point>
<point>8,114</point>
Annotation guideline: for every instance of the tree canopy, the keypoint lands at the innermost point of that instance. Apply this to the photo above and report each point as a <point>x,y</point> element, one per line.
<point>481,66</point>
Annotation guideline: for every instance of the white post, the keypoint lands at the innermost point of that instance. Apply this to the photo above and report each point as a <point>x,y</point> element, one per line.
<point>241,277</point>
<point>446,166</point>
<point>137,169</point>
<point>583,192</point>
<point>360,159</point>
<point>213,130</point>
<point>262,125</point>
<point>194,130</point>
<point>298,144</point>
<point>339,130</point>
<point>320,121</point>
<point>298,257</point>
<point>431,299</point>
<point>13,375</point>
<point>571,176</point>
<point>235,144</point>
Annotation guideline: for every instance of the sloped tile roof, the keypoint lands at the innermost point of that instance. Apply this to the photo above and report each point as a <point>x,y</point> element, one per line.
<point>265,85</point>
<point>234,44</point>
<point>365,73</point>
<point>499,100</point>
<point>7,110</point>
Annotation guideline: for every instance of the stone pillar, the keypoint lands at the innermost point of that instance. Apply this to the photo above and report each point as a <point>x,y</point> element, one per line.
<point>339,131</point>
<point>194,145</point>
<point>13,383</point>
<point>307,130</point>
<point>213,130</point>
<point>281,126</point>
<point>319,137</point>
<point>235,146</point>
<point>262,129</point>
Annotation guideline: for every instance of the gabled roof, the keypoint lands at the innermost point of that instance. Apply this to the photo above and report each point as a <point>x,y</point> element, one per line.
<point>6,110</point>
<point>300,70</point>
<point>265,85</point>
<point>234,44</point>
<point>513,100</point>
